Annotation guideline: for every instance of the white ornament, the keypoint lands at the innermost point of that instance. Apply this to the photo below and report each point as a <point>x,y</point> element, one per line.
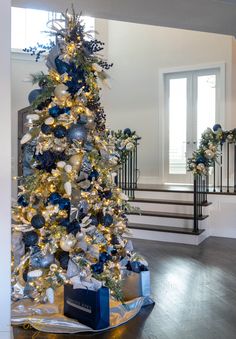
<point>61,91</point>
<point>50,295</point>
<point>27,137</point>
<point>32,117</point>
<point>61,164</point>
<point>68,168</point>
<point>49,121</point>
<point>68,188</point>
<point>34,274</point>
<point>67,242</point>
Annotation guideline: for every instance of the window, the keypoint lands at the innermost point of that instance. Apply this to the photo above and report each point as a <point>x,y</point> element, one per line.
<point>192,103</point>
<point>29,26</point>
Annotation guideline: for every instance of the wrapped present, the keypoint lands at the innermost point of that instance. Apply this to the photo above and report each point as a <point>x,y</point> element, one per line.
<point>135,281</point>
<point>89,307</point>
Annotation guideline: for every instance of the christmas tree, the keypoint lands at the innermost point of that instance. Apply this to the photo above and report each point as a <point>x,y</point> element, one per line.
<point>70,215</point>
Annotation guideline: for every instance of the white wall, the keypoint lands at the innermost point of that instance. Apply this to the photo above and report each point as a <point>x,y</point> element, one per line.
<point>139,52</point>
<point>5,173</point>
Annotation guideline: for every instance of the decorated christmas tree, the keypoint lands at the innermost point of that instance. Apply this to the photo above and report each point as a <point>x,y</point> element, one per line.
<point>69,219</point>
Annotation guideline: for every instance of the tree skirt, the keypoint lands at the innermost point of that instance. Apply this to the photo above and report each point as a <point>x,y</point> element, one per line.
<point>50,318</point>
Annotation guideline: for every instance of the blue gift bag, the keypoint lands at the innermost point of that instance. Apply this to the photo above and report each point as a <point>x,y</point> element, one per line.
<point>91,308</point>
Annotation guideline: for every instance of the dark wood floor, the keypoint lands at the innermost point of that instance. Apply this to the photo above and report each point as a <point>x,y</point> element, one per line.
<point>194,289</point>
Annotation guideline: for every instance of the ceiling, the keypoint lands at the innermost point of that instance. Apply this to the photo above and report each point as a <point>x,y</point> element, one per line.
<point>218,16</point>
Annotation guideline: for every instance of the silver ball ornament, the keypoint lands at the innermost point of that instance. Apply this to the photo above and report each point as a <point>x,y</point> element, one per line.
<point>61,91</point>
<point>67,242</point>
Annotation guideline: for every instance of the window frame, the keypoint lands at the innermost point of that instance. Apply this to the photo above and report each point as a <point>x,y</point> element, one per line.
<point>220,112</point>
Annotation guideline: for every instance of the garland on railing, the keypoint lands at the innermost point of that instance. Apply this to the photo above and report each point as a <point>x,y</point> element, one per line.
<point>124,141</point>
<point>207,153</point>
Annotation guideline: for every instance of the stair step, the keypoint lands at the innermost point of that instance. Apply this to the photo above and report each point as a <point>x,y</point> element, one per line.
<point>165,188</point>
<point>166,215</point>
<point>168,229</point>
<point>167,202</point>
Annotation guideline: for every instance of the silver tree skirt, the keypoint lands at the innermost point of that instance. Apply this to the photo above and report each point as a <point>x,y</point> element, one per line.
<point>50,318</point>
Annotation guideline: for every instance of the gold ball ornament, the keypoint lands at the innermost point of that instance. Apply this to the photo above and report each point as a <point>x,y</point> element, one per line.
<point>76,161</point>
<point>209,154</point>
<point>201,167</point>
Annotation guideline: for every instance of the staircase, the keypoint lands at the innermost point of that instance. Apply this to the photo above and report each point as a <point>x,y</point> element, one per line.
<point>166,213</point>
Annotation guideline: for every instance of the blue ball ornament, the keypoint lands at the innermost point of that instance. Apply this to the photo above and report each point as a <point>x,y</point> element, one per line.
<point>107,220</point>
<point>64,204</point>
<point>55,111</point>
<point>22,201</point>
<point>127,131</point>
<point>200,159</point>
<point>60,131</point>
<point>77,132</point>
<point>54,198</point>
<point>46,129</point>
<point>38,221</point>
<point>30,238</point>
<point>216,127</point>
<point>97,268</point>
<point>104,257</point>
<point>33,95</point>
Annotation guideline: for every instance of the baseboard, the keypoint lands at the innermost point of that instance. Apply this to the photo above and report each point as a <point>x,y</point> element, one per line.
<point>149,180</point>
<point>169,237</point>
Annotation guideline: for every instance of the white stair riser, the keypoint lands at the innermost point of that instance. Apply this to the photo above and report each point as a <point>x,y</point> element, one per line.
<point>164,195</point>
<point>163,207</point>
<point>161,221</point>
<point>170,237</point>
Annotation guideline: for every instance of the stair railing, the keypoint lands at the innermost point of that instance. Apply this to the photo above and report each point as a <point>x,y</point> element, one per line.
<point>200,198</point>
<point>127,175</point>
<point>224,170</point>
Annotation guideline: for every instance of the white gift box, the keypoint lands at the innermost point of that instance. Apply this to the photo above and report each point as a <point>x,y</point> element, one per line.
<point>135,285</point>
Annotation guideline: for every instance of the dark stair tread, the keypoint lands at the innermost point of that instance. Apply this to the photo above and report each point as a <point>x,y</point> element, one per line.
<point>168,229</point>
<point>167,202</point>
<point>165,188</point>
<point>166,214</point>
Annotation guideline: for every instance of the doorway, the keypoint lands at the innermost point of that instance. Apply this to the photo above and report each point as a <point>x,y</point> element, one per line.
<point>192,101</point>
